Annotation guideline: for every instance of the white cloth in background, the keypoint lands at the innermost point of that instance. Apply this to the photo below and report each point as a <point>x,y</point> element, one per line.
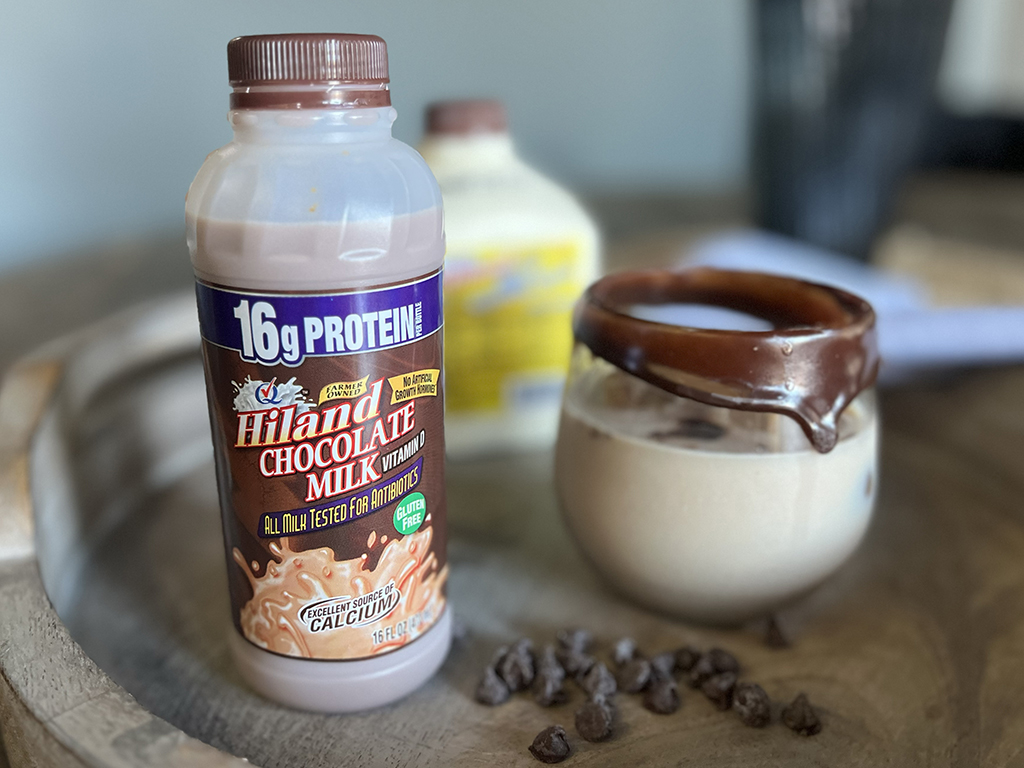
<point>911,334</point>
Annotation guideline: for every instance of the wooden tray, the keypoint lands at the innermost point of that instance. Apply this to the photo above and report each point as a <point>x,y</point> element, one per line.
<point>112,634</point>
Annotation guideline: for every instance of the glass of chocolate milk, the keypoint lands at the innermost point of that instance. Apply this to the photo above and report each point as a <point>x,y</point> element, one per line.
<point>718,469</point>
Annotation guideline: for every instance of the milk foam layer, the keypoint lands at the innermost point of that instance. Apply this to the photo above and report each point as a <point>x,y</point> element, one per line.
<point>713,514</point>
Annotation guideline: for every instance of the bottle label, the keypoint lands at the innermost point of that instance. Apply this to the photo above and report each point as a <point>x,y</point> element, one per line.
<point>509,325</point>
<point>327,414</point>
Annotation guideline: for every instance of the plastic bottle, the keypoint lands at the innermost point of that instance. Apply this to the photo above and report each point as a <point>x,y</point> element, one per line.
<point>317,241</point>
<point>520,252</point>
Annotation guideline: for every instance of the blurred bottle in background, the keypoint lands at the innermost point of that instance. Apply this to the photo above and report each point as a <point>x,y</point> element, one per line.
<point>845,90</point>
<point>520,251</point>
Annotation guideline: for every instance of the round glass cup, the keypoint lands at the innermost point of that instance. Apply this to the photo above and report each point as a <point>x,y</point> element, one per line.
<point>711,513</point>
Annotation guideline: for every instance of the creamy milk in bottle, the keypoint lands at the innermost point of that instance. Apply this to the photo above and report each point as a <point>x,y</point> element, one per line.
<point>317,241</point>
<point>520,252</point>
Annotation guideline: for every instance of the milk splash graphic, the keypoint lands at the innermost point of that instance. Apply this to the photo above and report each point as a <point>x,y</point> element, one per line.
<point>260,395</point>
<point>272,619</point>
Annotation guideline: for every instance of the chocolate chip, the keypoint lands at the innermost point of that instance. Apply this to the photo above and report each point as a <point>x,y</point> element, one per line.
<point>774,637</point>
<point>549,691</point>
<point>599,681</point>
<point>516,668</point>
<point>723,661</point>
<point>712,663</point>
<point>548,663</point>
<point>800,716</point>
<point>752,704</point>
<point>663,664</point>
<point>719,688</point>
<point>491,690</point>
<point>624,651</point>
<point>594,720</point>
<point>662,696</point>
<point>634,675</point>
<point>576,639</point>
<point>686,657</point>
<point>701,671</point>
<point>498,655</point>
<point>575,663</point>
<point>551,745</point>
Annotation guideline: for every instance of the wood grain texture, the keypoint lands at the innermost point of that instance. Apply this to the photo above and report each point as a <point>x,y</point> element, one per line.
<point>953,272</point>
<point>910,651</point>
<point>57,708</point>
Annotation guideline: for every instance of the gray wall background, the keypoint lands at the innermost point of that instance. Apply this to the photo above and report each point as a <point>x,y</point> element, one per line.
<point>110,106</point>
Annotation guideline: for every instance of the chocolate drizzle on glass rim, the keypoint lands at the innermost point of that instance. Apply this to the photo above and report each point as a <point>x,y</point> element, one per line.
<point>821,352</point>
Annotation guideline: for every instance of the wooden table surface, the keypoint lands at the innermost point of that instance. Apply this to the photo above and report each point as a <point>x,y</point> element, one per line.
<point>914,651</point>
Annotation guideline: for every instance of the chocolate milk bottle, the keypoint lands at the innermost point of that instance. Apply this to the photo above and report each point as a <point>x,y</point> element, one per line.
<point>317,242</point>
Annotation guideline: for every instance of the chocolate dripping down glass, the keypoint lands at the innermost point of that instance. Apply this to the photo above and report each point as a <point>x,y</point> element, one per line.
<point>715,472</point>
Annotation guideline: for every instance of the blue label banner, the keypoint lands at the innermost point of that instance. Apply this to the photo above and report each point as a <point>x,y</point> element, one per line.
<point>272,328</point>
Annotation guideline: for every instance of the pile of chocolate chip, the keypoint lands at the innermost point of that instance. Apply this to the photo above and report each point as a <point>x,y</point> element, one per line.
<point>714,673</point>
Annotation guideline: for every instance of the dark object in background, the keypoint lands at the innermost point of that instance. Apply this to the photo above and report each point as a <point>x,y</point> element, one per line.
<point>982,142</point>
<point>844,89</point>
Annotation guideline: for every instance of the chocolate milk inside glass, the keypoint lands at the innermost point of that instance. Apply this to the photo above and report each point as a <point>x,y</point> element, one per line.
<point>317,242</point>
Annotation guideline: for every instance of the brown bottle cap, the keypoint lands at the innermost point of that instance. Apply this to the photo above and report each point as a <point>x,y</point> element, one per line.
<point>326,70</point>
<point>467,116</point>
<point>821,353</point>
